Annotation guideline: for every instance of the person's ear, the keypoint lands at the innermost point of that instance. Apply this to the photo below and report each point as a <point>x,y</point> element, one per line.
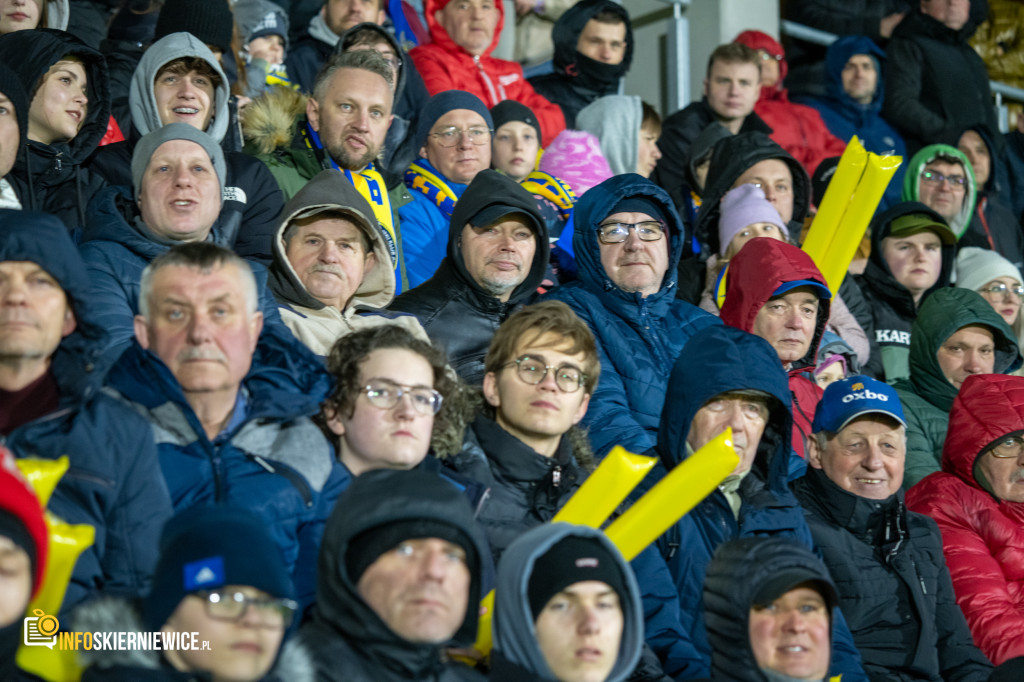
<point>491,394</point>
<point>333,420</point>
<point>313,114</point>
<point>582,410</point>
<point>141,331</point>
<point>70,323</point>
<point>813,452</point>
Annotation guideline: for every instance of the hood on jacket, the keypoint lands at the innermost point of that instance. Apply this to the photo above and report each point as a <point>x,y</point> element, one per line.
<point>737,572</point>
<point>730,159</point>
<point>565,36</point>
<point>615,121</point>
<point>440,37</point>
<point>142,100</point>
<point>758,40</point>
<point>329,190</point>
<point>762,266</point>
<point>912,180</point>
<point>42,239</point>
<point>376,499</point>
<point>515,637</point>
<point>263,16</point>
<point>11,88</point>
<point>837,55</point>
<point>599,203</point>
<point>348,37</point>
<point>988,408</point>
<point>30,54</point>
<point>877,273</point>
<point>938,318</point>
<point>716,360</point>
<point>489,188</point>
<point>991,187</point>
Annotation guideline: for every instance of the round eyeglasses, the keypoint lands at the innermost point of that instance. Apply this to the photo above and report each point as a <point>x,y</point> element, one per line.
<point>450,136</point>
<point>232,606</point>
<point>616,233</point>
<point>533,370</point>
<point>956,181</point>
<point>1001,289</point>
<point>386,394</point>
<point>1008,448</point>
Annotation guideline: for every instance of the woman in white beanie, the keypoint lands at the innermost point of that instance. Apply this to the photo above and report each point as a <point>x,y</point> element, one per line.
<point>997,280</point>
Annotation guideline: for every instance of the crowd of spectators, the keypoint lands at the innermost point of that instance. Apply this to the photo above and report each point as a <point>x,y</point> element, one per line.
<point>329,311</point>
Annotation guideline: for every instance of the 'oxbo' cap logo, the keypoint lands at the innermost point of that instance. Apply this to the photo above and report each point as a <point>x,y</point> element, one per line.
<point>864,395</point>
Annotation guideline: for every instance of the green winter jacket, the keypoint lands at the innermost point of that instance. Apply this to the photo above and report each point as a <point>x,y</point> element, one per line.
<point>927,394</point>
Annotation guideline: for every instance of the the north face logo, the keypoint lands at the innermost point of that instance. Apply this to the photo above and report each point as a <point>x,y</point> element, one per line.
<point>205,576</point>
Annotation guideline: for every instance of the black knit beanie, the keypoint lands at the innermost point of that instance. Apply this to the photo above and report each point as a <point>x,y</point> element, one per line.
<point>366,548</point>
<point>209,20</point>
<point>511,110</point>
<point>572,560</point>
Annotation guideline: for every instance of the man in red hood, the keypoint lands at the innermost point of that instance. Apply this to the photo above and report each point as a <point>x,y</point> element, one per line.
<point>798,129</point>
<point>774,290</point>
<point>463,35</point>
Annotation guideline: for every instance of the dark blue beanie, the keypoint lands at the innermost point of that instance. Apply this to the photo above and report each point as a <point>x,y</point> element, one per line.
<point>641,204</point>
<point>443,102</point>
<point>204,548</point>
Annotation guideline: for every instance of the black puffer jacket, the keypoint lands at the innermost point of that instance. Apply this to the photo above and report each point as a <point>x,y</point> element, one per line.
<point>890,313</point>
<point>348,639</point>
<point>738,571</point>
<point>452,307</point>
<point>729,160</point>
<point>50,177</point>
<point>936,84</point>
<point>894,587</point>
<point>678,132</point>
<point>577,79</point>
<point>526,488</point>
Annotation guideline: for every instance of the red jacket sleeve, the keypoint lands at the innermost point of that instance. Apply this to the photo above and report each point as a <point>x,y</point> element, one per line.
<point>432,69</point>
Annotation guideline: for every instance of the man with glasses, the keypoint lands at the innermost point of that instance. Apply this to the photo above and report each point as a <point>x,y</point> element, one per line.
<point>978,502</point>
<point>956,334</point>
<point>388,389</point>
<point>887,563</point>
<point>327,274</point>
<point>941,178</point>
<point>497,255</point>
<point>628,239</point>
<point>453,135</point>
<point>231,423</point>
<point>524,444</point>
<point>221,580</point>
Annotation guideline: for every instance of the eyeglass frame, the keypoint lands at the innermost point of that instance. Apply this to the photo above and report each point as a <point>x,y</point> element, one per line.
<point>463,132</point>
<point>1017,440</point>
<point>631,226</point>
<point>518,362</point>
<point>403,390</point>
<point>959,181</point>
<point>1018,290</point>
<point>290,606</point>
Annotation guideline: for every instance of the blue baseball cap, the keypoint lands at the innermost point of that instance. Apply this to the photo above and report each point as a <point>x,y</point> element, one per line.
<point>823,291</point>
<point>854,397</point>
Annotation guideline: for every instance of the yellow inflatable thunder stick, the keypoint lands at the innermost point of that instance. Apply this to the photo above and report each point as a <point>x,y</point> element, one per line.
<point>590,505</point>
<point>845,212</point>
<point>67,542</point>
<point>650,516</point>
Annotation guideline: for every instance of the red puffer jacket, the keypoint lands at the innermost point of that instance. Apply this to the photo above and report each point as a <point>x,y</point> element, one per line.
<point>446,66</point>
<point>798,129</point>
<point>982,537</point>
<point>755,273</point>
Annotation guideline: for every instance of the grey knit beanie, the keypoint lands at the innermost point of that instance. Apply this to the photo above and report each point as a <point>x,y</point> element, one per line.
<point>174,131</point>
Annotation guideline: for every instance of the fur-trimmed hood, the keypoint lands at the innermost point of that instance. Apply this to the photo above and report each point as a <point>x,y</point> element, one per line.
<point>269,120</point>
<point>110,614</point>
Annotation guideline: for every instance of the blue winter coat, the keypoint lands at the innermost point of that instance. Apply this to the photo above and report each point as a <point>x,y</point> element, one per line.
<point>424,231</point>
<point>116,253</point>
<point>274,462</point>
<point>671,572</point>
<point>638,338</point>
<point>114,482</point>
<point>846,117</point>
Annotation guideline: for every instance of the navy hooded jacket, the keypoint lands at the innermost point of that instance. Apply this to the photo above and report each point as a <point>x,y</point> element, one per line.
<point>846,117</point>
<point>638,338</point>
<point>114,482</point>
<point>671,572</point>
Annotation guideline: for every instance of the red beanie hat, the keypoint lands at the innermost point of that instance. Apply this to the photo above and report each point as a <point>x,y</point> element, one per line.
<point>21,516</point>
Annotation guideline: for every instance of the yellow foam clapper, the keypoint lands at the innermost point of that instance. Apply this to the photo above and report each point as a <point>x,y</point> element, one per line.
<point>674,496</point>
<point>837,197</point>
<point>43,475</point>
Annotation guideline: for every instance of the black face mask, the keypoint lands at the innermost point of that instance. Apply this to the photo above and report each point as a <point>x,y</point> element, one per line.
<point>594,74</point>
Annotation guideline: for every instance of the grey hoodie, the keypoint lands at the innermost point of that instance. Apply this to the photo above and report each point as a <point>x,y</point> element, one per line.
<point>142,101</point>
<point>516,652</point>
<point>615,121</point>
